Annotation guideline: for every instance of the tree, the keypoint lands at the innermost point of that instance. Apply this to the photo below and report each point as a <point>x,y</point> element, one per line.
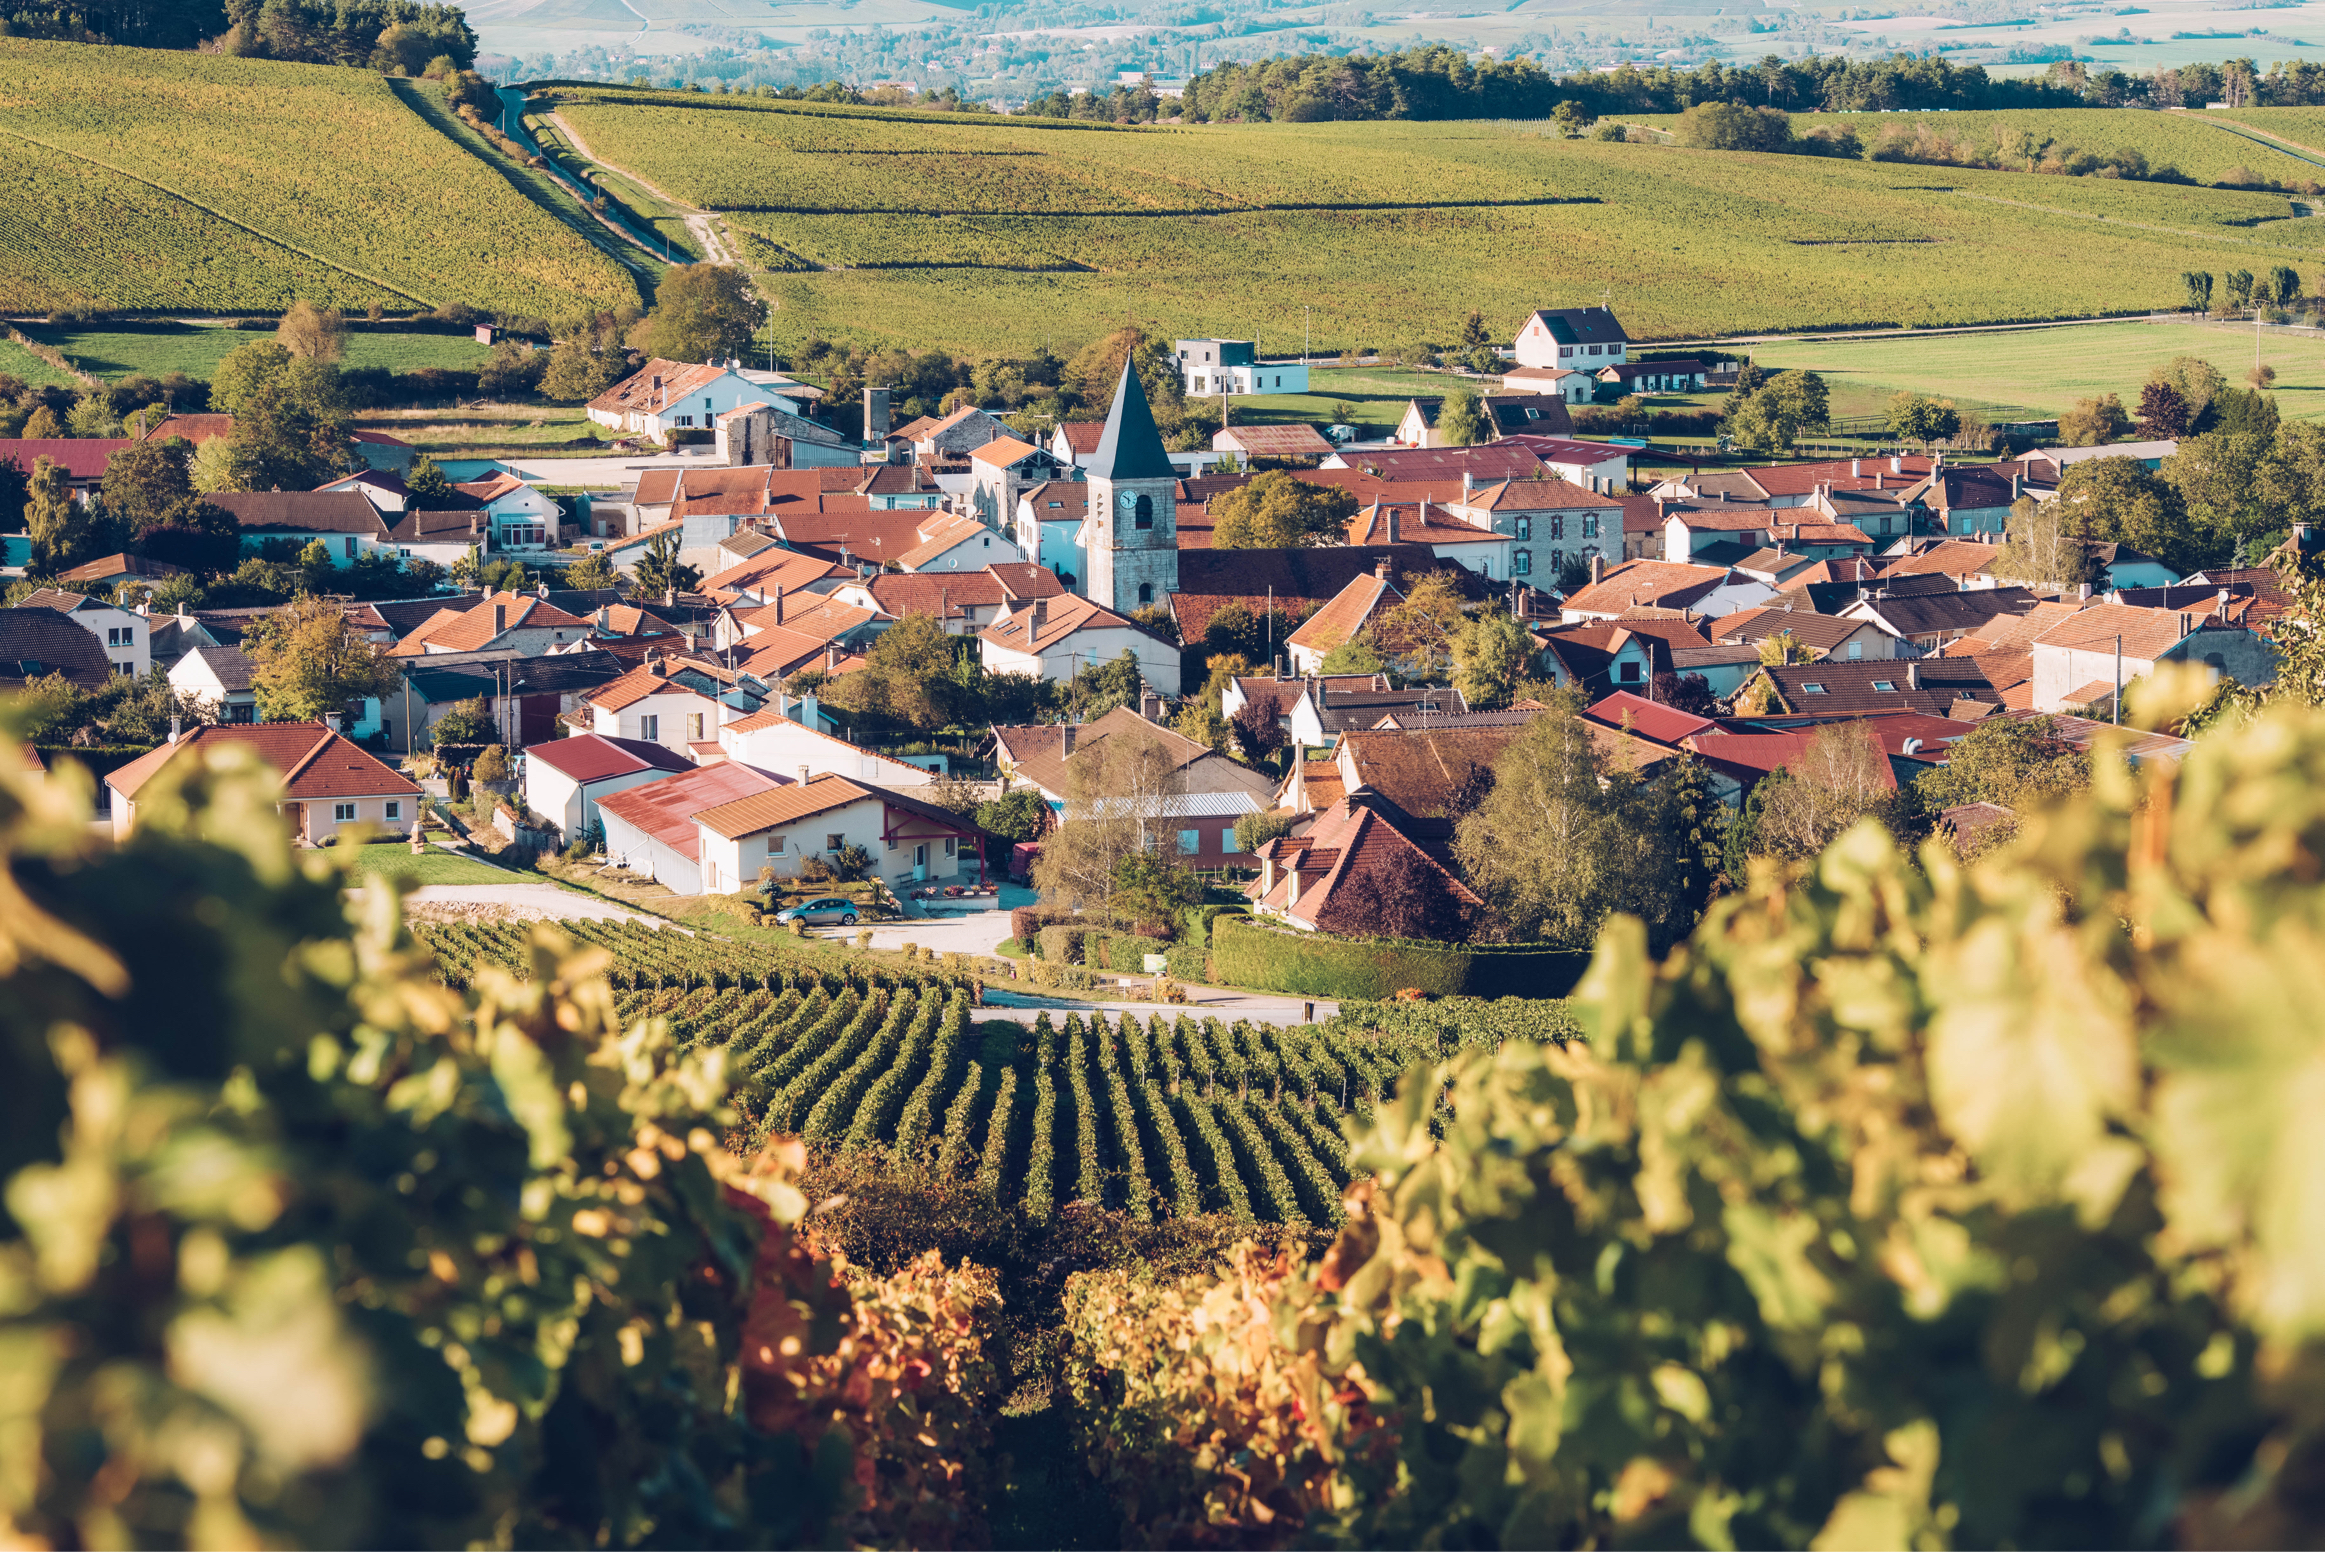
<point>1726,126</point>
<point>702,312</point>
<point>2199,284</point>
<point>308,661</point>
<point>427,484</point>
<point>1572,119</point>
<point>660,572</point>
<point>42,425</point>
<point>2284,284</point>
<point>2196,380</point>
<point>244,372</point>
<point>2094,422</point>
<point>1568,836</point>
<point>2239,286</point>
<point>468,722</point>
<point>906,677</point>
<point>1690,693</point>
<point>1257,735</point>
<point>1473,330</point>
<point>1402,896</point>
<point>1418,632</point>
<point>1919,418</point>
<point>578,369</point>
<point>1359,654</point>
<point>1124,796</point>
<point>15,490</point>
<point>1773,416</point>
<point>1098,687</point>
<point>593,571</point>
<point>1781,647</point>
<point>1258,827</point>
<point>1278,511</point>
<point>92,416</point>
<point>2041,549</point>
<point>1840,777</point>
<point>1461,422</point>
<point>313,333</point>
<point>1020,814</point>
<point>2163,414</point>
<point>1202,721</point>
<point>2119,500</point>
<point>146,482</point>
<point>212,466</point>
<point>2019,763</point>
<point>1491,654</point>
<point>1151,888</point>
<point>2225,485</point>
<point>65,532</point>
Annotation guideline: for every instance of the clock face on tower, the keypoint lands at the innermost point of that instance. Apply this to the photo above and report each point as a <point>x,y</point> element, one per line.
<point>1137,510</point>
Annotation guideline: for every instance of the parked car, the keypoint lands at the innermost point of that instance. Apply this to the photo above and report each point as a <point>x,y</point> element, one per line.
<point>817,912</point>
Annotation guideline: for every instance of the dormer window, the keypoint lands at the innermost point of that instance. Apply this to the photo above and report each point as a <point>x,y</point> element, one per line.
<point>1884,687</point>
<point>1812,689</point>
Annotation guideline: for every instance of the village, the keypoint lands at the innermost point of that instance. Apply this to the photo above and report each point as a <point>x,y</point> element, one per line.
<point>1323,680</point>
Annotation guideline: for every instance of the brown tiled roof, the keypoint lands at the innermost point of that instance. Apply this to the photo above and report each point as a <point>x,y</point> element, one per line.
<point>1539,496</point>
<point>1760,753</point>
<point>304,511</point>
<point>1669,583</point>
<point>782,571</point>
<point>1355,837</point>
<point>947,595</point>
<point>1039,752</point>
<point>1083,436</point>
<point>471,630</point>
<point>39,641</point>
<point>1420,770</point>
<point>1651,720</point>
<point>1061,617</point>
<point>1953,558</point>
<point>1003,451</point>
<point>1024,579</point>
<point>82,458</point>
<point>1492,461</point>
<point>315,763</point>
<point>1823,632</point>
<point>940,537</point>
<point>1421,523</point>
<point>1058,501</point>
<point>2007,632</point>
<point>1347,613</point>
<point>638,390</point>
<point>1292,441</point>
<point>1209,580</point>
<point>1929,684</point>
<point>196,429</point>
<point>781,805</point>
<point>2147,633</point>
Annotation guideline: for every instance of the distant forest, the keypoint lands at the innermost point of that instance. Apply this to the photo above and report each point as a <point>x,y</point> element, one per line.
<point>381,34</point>
<point>1438,82</point>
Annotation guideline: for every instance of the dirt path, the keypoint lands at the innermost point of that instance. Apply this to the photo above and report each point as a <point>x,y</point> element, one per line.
<point>715,247</point>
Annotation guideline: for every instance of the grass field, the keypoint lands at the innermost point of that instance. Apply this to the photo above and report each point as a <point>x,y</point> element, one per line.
<point>157,346</point>
<point>534,430</point>
<point>2036,373</point>
<point>434,866</point>
<point>16,361</point>
<point>143,179</point>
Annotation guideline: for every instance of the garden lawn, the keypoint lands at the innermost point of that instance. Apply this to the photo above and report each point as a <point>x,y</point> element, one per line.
<point>434,866</point>
<point>160,346</point>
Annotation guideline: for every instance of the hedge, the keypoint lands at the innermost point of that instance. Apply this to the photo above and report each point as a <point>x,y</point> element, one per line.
<point>1064,945</point>
<point>1245,953</point>
<point>1126,951</point>
<point>1195,922</point>
<point>1189,962</point>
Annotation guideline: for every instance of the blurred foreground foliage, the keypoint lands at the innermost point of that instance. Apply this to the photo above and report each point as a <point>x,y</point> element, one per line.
<point>301,1247</point>
<point>1939,1206</point>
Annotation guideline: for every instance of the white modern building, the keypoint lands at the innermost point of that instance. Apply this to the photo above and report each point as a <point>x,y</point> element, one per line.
<point>1212,367</point>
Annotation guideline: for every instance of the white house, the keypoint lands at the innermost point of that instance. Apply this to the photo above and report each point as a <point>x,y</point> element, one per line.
<point>950,543</point>
<point>1568,384</point>
<point>909,841</point>
<point>1577,338</point>
<point>565,777</point>
<point>2075,662</point>
<point>666,396</point>
<point>1212,367</point>
<point>518,516</point>
<point>219,676</point>
<point>650,828</point>
<point>1049,525</point>
<point>675,704</point>
<point>1053,638</point>
<point>125,632</point>
<point>778,741</point>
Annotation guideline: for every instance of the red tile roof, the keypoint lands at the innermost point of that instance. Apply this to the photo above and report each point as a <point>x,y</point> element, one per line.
<point>82,458</point>
<point>315,763</point>
<point>1349,611</point>
<point>665,809</point>
<point>594,757</point>
<point>1649,719</point>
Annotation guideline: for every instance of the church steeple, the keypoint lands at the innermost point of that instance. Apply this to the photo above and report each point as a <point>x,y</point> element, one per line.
<point>1131,448</point>
<point>1133,544</point>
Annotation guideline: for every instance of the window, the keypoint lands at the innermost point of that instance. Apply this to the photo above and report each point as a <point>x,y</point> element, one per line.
<point>1628,672</point>
<point>1885,523</point>
<point>834,842</point>
<point>1564,351</point>
<point>1142,514</point>
<point>686,420</point>
<point>650,729</point>
<point>694,726</point>
<point>1190,841</point>
<point>706,401</point>
<point>1812,689</point>
<point>1557,526</point>
<point>1533,413</point>
<point>117,636</point>
<point>342,813</point>
<point>1522,564</point>
<point>1884,687</point>
<point>1594,350</point>
<point>1856,650</point>
<point>1279,381</point>
<point>1146,592</point>
<point>920,855</point>
<point>394,810</point>
<point>949,844</point>
<point>1525,528</point>
<point>1590,525</point>
<point>1227,840</point>
<point>1201,386</point>
<point>892,843</point>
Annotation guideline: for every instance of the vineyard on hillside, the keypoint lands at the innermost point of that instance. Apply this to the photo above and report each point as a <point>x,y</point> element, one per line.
<point>987,233</point>
<point>136,178</point>
<point>1151,1117</point>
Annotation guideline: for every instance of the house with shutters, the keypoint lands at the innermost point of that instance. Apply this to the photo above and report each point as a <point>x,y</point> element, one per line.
<point>125,632</point>
<point>666,396</point>
<point>1614,591</point>
<point>1211,790</point>
<point>1547,521</point>
<point>2076,660</point>
<point>330,786</point>
<point>679,704</point>
<point>1581,339</point>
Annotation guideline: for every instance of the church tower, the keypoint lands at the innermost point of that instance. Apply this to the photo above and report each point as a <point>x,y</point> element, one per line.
<point>1133,554</point>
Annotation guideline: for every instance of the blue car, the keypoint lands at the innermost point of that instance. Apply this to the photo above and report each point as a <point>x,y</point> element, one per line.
<point>817,912</point>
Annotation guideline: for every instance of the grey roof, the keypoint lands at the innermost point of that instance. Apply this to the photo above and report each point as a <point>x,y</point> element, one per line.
<point>302,511</point>
<point>1582,325</point>
<point>231,666</point>
<point>1927,684</point>
<point>1929,614</point>
<point>40,641</point>
<point>1130,448</point>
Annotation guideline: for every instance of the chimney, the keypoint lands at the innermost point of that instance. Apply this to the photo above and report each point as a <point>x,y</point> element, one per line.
<point>605,617</point>
<point>1468,483</point>
<point>670,595</point>
<point>2083,592</point>
<point>1913,676</point>
<point>875,413</point>
<point>803,775</point>
<point>1068,747</point>
<point>1389,516</point>
<point>181,608</point>
<point>809,713</point>
<point>1856,468</point>
<point>1896,464</point>
<point>2017,483</point>
<point>176,726</point>
<point>145,606</point>
<point>500,618</point>
<point>1382,571</point>
<point>831,656</point>
<point>779,606</point>
<point>1598,570</point>
<point>1040,616</point>
<point>2184,618</point>
<point>331,720</point>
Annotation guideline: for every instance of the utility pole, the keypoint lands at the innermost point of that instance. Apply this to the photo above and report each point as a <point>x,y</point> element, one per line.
<point>2119,679</point>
